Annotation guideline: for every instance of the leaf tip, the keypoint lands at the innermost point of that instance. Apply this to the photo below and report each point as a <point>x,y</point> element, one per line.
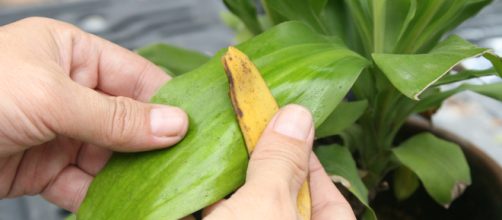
<point>458,189</point>
<point>341,180</point>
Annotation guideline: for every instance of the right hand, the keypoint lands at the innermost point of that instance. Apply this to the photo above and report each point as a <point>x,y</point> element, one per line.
<point>279,165</point>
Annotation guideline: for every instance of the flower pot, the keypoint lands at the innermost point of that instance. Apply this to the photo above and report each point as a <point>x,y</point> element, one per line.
<point>481,200</point>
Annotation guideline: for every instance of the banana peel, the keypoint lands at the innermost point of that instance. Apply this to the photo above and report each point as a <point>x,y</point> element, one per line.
<point>255,106</point>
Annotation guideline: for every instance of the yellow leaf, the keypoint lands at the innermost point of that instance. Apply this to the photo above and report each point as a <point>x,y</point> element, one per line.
<point>255,106</point>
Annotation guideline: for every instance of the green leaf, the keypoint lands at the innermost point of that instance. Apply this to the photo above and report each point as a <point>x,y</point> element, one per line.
<point>411,74</point>
<point>398,26</point>
<point>272,14</point>
<point>432,19</point>
<point>404,183</point>
<point>318,5</point>
<point>398,15</point>
<point>496,61</point>
<point>440,165</point>
<point>174,59</point>
<point>360,13</point>
<point>464,75</point>
<point>246,11</point>
<point>341,167</point>
<point>231,20</point>
<point>379,12</point>
<point>345,114</point>
<point>242,33</point>
<point>435,99</point>
<point>71,217</point>
<point>334,18</point>
<point>301,10</point>
<point>211,161</point>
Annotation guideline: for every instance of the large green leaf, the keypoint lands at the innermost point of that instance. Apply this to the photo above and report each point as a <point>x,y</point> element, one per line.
<point>439,164</point>
<point>173,59</point>
<point>413,73</point>
<point>210,162</point>
<point>345,114</point>
<point>341,167</point>
<point>246,11</point>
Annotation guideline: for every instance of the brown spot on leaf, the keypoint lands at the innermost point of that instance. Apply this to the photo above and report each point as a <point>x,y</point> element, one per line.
<point>227,71</point>
<point>235,103</point>
<point>238,111</point>
<point>245,68</point>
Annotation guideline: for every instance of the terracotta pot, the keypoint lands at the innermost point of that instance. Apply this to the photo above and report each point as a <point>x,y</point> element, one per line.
<point>481,200</point>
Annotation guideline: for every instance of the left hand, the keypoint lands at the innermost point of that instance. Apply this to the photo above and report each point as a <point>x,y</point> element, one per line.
<point>67,99</point>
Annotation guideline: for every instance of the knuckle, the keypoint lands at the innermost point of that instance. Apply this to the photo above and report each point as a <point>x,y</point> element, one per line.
<point>284,154</point>
<point>122,123</point>
<point>139,85</point>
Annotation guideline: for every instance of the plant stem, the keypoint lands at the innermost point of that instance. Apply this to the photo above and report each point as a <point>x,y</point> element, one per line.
<point>379,7</point>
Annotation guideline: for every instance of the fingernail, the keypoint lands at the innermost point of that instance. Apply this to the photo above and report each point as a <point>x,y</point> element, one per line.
<point>168,121</point>
<point>294,121</point>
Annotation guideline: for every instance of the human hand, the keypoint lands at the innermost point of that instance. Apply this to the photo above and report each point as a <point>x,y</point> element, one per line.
<point>281,162</point>
<point>63,109</point>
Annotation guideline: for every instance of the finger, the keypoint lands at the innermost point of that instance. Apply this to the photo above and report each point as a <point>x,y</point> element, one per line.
<point>99,64</point>
<point>117,123</point>
<point>327,201</point>
<point>113,69</point>
<point>68,189</point>
<point>208,210</point>
<point>281,156</point>
<point>91,159</point>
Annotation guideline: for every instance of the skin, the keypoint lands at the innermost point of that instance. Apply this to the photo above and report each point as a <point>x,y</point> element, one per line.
<point>69,99</point>
<point>279,165</point>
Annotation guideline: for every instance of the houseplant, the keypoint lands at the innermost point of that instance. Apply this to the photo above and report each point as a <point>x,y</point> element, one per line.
<point>392,56</point>
<point>403,39</point>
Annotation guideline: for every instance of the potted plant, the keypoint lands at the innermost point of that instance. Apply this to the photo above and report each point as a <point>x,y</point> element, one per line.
<point>393,57</point>
<point>401,38</point>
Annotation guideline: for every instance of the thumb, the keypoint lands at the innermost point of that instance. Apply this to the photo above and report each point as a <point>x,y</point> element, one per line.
<point>119,123</point>
<point>276,170</point>
<point>282,154</point>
